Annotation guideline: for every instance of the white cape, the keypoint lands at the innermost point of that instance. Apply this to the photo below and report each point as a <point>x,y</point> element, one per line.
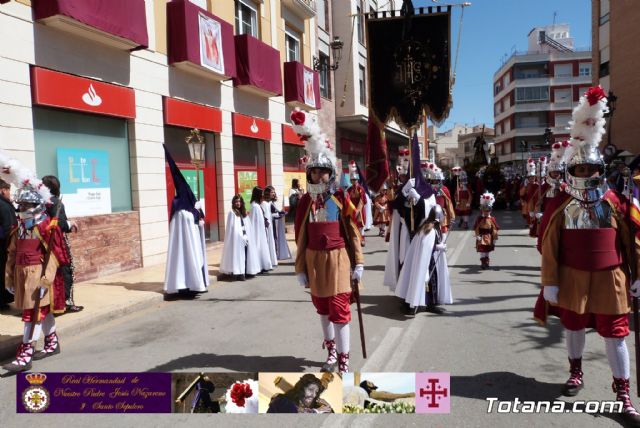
<point>369,215</point>
<point>282,247</point>
<point>235,261</point>
<point>258,236</point>
<point>411,283</point>
<point>271,241</point>
<point>398,243</point>
<point>187,267</point>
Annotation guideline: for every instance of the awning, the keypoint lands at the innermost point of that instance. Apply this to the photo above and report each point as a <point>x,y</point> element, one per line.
<point>302,86</point>
<point>119,23</point>
<point>257,67</point>
<point>200,41</point>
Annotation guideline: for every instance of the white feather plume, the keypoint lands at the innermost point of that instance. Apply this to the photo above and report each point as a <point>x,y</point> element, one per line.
<point>13,172</point>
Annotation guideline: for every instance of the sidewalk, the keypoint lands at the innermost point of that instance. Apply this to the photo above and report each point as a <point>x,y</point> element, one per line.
<point>107,298</point>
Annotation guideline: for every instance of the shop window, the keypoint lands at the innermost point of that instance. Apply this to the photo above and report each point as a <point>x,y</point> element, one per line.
<point>363,87</point>
<point>90,156</point>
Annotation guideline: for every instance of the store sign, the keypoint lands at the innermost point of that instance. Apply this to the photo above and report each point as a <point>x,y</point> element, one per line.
<point>54,89</point>
<point>289,136</point>
<point>84,181</point>
<point>192,115</point>
<point>252,127</point>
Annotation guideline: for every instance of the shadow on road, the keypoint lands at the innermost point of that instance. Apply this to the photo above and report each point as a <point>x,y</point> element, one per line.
<point>474,268</point>
<point>384,306</point>
<point>239,363</point>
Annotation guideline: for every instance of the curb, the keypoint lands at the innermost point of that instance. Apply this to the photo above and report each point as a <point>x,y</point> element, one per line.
<point>9,345</point>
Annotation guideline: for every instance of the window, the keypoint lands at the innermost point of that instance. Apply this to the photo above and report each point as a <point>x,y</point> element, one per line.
<point>562,119</point>
<point>322,14</point>
<point>325,81</point>
<point>604,12</point>
<point>497,88</point>
<point>533,94</point>
<point>246,18</point>
<point>363,88</point>
<point>292,43</point>
<point>604,69</point>
<point>562,95</point>
<point>584,69</point>
<point>360,24</point>
<point>563,70</point>
<point>291,155</point>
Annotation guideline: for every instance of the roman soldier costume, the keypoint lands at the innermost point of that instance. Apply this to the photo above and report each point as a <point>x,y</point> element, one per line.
<point>486,229</point>
<point>36,250</point>
<point>358,197</point>
<point>463,197</point>
<point>589,257</point>
<point>329,255</point>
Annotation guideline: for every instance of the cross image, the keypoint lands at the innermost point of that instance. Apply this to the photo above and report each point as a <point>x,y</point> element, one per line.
<point>433,392</point>
<point>36,399</point>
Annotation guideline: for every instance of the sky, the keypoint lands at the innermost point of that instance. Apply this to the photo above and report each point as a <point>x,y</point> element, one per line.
<point>391,382</point>
<point>491,29</point>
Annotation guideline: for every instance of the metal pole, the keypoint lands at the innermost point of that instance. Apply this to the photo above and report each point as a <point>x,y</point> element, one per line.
<point>197,183</point>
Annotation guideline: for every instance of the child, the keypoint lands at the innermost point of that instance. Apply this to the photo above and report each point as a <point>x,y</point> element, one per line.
<point>486,229</point>
<point>239,256</point>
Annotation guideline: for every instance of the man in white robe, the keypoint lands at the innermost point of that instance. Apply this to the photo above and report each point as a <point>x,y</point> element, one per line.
<point>239,254</point>
<point>271,240</point>
<point>258,235</point>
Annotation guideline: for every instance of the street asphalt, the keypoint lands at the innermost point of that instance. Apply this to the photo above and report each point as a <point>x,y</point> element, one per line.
<point>487,340</point>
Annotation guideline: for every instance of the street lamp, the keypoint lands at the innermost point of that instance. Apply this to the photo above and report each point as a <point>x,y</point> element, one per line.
<point>196,151</point>
<point>523,147</point>
<point>320,64</point>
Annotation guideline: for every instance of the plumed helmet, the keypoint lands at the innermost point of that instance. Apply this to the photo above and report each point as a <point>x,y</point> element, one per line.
<point>353,171</point>
<point>587,127</point>
<point>486,201</point>
<point>320,152</point>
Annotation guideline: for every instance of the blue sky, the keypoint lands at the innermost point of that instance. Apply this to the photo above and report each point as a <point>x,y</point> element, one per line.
<point>491,29</point>
<point>391,382</point>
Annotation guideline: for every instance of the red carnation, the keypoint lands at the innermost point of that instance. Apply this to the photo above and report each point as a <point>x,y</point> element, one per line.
<point>240,392</point>
<point>298,117</point>
<point>595,94</point>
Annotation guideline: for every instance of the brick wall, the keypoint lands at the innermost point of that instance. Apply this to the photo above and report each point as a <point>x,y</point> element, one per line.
<point>106,244</point>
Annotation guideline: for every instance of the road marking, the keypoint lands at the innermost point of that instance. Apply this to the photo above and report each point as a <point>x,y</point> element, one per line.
<point>401,352</point>
<point>456,254</point>
<point>383,351</point>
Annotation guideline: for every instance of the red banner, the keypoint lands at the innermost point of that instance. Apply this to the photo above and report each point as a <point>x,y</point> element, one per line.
<point>252,127</point>
<point>55,89</point>
<point>377,157</point>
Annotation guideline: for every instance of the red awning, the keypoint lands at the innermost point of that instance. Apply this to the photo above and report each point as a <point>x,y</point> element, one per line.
<point>252,127</point>
<point>302,86</point>
<point>257,66</point>
<point>125,19</point>
<point>213,53</point>
<point>289,136</point>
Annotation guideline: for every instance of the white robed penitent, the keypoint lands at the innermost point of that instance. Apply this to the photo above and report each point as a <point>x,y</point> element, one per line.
<point>271,241</point>
<point>415,272</point>
<point>239,258</point>
<point>398,244</point>
<point>282,247</point>
<point>187,257</point>
<point>368,209</point>
<point>259,236</point>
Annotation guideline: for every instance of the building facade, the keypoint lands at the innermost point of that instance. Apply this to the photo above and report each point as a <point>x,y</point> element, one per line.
<point>615,35</point>
<point>538,89</point>
<point>91,94</point>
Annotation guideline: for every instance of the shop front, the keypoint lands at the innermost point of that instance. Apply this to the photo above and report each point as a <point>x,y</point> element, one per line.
<point>250,135</point>
<point>292,153</point>
<point>81,136</point>
<point>180,118</point>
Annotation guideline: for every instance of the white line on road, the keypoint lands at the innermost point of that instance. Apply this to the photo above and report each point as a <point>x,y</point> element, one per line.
<point>382,352</point>
<point>456,254</point>
<point>401,352</point>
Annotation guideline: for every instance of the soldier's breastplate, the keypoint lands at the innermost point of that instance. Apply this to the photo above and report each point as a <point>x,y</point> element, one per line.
<point>328,211</point>
<point>588,240</point>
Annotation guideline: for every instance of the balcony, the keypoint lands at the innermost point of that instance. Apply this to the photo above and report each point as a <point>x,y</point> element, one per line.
<point>302,86</point>
<point>121,24</point>
<point>257,67</point>
<point>188,28</point>
<point>305,9</point>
